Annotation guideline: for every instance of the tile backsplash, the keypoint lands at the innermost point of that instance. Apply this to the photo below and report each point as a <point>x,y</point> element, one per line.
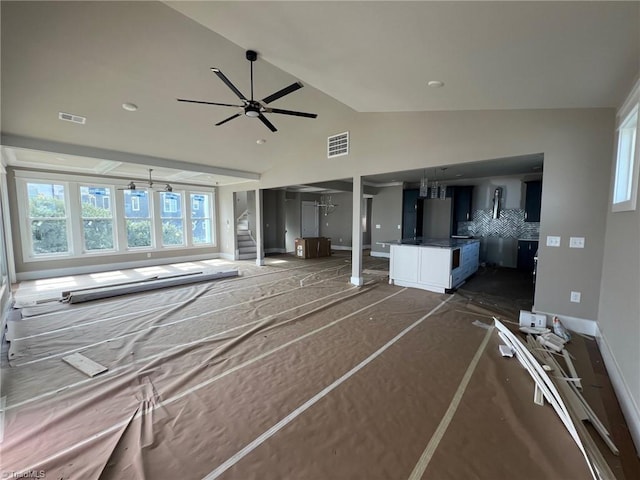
<point>510,224</point>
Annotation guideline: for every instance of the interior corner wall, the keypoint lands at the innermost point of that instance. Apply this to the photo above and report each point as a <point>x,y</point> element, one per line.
<point>386,215</point>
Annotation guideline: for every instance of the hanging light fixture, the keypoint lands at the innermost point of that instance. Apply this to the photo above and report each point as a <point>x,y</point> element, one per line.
<point>434,185</point>
<point>443,187</point>
<point>326,204</point>
<point>424,186</point>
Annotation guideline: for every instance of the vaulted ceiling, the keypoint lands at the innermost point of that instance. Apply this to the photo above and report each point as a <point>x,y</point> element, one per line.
<point>88,58</point>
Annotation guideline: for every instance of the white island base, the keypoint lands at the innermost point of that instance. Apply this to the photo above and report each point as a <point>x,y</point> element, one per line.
<point>436,266</point>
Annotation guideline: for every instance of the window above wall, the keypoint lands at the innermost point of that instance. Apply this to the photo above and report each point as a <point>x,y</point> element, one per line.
<point>65,216</point>
<point>627,168</point>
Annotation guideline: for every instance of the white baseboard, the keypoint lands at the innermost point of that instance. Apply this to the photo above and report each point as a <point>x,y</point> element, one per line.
<point>380,254</point>
<point>340,247</point>
<point>580,325</point>
<point>629,407</point>
<point>63,272</point>
<point>226,256</point>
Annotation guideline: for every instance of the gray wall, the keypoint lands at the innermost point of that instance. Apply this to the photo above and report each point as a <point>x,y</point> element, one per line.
<point>619,312</point>
<point>273,219</point>
<point>337,224</point>
<point>577,146</point>
<point>386,212</point>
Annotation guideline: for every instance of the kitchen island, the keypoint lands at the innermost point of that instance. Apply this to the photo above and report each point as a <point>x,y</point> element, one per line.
<point>437,265</point>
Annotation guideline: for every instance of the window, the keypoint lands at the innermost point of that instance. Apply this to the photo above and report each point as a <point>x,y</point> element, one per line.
<point>64,216</point>
<point>137,214</point>
<point>625,185</point>
<point>47,218</point>
<point>172,219</point>
<point>97,219</point>
<point>201,218</point>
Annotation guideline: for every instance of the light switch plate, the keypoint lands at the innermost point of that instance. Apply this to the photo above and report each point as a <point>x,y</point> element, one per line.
<point>576,297</point>
<point>576,242</point>
<point>399,227</point>
<point>378,226</point>
<point>553,241</point>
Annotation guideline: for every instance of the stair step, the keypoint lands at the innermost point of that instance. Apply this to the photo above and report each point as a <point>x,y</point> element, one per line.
<point>247,250</point>
<point>246,243</point>
<point>246,256</point>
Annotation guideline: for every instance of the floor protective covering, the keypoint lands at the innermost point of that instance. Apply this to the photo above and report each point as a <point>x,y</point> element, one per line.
<point>286,372</point>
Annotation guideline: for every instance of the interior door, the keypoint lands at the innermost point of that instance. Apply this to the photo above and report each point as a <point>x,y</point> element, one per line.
<point>310,220</point>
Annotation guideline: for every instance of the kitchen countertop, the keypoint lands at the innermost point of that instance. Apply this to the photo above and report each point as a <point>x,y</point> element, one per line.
<point>431,242</point>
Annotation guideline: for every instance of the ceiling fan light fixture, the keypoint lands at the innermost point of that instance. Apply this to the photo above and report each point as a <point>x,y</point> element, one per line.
<point>249,112</point>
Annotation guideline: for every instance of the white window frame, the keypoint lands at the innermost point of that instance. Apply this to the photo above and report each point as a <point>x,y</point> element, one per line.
<point>174,208</point>
<point>75,241</point>
<point>210,217</point>
<point>152,218</point>
<point>627,155</point>
<point>25,219</point>
<point>114,220</point>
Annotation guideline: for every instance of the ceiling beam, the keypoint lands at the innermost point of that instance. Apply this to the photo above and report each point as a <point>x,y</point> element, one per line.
<point>17,141</point>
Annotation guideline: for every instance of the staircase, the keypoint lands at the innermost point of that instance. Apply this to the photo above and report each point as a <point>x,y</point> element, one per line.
<point>246,244</point>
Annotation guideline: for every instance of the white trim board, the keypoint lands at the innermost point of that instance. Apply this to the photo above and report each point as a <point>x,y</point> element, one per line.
<point>580,325</point>
<point>63,272</point>
<point>629,407</point>
<point>380,254</point>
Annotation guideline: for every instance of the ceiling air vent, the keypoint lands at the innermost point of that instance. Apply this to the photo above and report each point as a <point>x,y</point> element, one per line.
<point>338,145</point>
<point>69,117</point>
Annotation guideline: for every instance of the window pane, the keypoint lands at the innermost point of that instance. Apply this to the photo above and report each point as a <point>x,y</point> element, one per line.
<point>172,232</point>
<point>49,236</point>
<point>98,234</point>
<point>97,218</point>
<point>623,184</point>
<point>201,231</point>
<point>136,204</point>
<point>138,218</point>
<point>199,206</point>
<point>138,233</point>
<point>201,218</point>
<point>46,200</point>
<point>172,220</point>
<point>47,212</point>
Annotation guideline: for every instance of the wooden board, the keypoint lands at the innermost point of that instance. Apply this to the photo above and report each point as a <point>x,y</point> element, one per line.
<point>84,364</point>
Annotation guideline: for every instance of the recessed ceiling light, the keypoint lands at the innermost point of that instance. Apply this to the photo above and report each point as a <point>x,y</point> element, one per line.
<point>435,83</point>
<point>261,141</point>
<point>130,107</point>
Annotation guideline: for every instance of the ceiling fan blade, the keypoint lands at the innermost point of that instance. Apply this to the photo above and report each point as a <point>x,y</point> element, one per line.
<point>208,103</point>
<point>267,123</point>
<point>291,112</point>
<point>228,83</point>
<point>281,93</point>
<point>227,119</point>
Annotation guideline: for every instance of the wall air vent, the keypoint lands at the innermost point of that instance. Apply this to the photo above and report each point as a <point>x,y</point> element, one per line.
<point>338,145</point>
<point>69,117</point>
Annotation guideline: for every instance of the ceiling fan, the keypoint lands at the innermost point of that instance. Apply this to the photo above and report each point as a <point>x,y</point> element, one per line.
<point>254,108</point>
<point>132,186</point>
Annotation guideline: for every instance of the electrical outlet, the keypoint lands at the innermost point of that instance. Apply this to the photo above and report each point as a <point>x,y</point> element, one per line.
<point>148,255</point>
<point>399,227</point>
<point>576,242</point>
<point>575,297</point>
<point>553,241</point>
